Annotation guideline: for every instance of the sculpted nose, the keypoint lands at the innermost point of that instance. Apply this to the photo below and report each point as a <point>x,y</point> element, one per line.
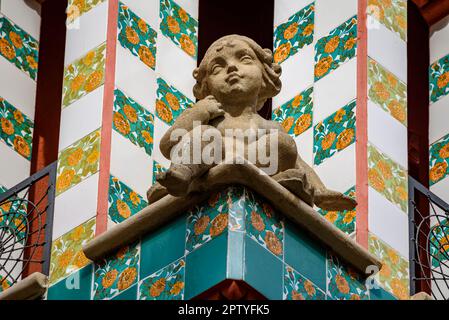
<point>232,68</point>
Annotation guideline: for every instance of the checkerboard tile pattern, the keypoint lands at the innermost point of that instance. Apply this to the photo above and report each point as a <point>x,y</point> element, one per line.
<point>146,46</point>
<point>19,61</point>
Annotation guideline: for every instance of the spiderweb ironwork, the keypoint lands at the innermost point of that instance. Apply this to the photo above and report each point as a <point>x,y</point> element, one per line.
<point>429,242</point>
<point>26,215</point>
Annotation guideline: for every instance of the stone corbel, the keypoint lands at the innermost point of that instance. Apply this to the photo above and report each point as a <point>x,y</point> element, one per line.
<point>169,207</point>
<point>31,288</point>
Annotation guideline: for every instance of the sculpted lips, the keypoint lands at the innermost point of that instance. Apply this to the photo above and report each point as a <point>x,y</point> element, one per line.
<point>233,78</point>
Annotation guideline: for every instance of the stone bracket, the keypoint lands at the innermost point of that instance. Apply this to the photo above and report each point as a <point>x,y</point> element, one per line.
<point>32,287</point>
<point>169,207</point>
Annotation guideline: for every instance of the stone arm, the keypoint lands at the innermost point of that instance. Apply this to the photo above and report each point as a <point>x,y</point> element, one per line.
<point>200,114</point>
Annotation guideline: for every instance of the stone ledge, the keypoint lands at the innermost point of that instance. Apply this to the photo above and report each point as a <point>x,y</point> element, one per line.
<point>32,287</point>
<point>421,296</point>
<point>169,207</point>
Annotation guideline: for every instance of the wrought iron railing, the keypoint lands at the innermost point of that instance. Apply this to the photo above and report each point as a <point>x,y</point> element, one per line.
<point>26,220</point>
<point>429,242</point>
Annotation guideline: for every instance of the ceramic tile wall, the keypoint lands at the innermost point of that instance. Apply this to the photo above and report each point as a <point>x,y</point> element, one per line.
<point>316,44</point>
<point>80,136</point>
<point>148,95</point>
<point>387,142</point>
<point>387,149</point>
<point>439,135</point>
<point>235,234</point>
<point>19,57</point>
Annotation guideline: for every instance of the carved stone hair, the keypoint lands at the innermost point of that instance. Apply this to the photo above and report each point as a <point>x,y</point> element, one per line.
<point>271,71</point>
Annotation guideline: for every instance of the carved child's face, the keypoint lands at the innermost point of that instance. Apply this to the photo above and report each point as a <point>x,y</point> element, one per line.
<point>234,74</point>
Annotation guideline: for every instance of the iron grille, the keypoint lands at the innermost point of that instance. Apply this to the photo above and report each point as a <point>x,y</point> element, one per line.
<point>429,242</point>
<point>26,220</point>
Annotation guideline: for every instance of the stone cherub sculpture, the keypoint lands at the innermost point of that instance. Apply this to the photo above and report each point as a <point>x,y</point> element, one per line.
<point>234,80</point>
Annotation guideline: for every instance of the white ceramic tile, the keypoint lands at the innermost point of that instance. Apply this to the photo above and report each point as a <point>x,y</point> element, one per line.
<point>329,14</point>
<point>388,222</point>
<point>24,13</point>
<point>13,167</point>
<point>338,171</point>
<point>191,6</point>
<point>335,90</point>
<point>148,10</point>
<point>81,118</point>
<point>159,130</point>
<point>387,134</point>
<point>86,33</point>
<point>131,164</point>
<point>441,189</point>
<point>304,143</point>
<point>284,9</point>
<point>387,48</point>
<point>135,78</point>
<point>297,75</point>
<point>75,206</point>
<point>439,44</point>
<point>439,116</point>
<point>175,66</point>
<point>17,88</point>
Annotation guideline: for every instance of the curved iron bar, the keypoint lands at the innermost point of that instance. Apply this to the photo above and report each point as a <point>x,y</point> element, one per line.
<point>430,241</point>
<point>23,226</point>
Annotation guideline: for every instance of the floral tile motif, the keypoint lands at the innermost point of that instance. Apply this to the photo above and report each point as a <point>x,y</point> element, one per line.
<point>297,287</point>
<point>336,48</point>
<point>66,252</point>
<point>117,273</point>
<point>394,275</point>
<point>264,225</point>
<point>123,202</point>
<point>165,284</point>
<point>84,75</point>
<point>4,283</point>
<point>392,14</point>
<point>294,34</point>
<point>137,36</point>
<point>170,102</point>
<point>16,129</point>
<point>208,220</point>
<point>13,214</point>
<point>179,26</point>
<point>439,78</point>
<point>334,133</point>
<point>76,8</point>
<point>12,217</point>
<point>439,160</point>
<point>386,90</point>
<point>343,220</point>
<point>133,121</point>
<point>19,47</point>
<point>387,177</point>
<point>344,283</point>
<point>439,248</point>
<point>78,161</point>
<point>296,114</point>
<point>157,168</point>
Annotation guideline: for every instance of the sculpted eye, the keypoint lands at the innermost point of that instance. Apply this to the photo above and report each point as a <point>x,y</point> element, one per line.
<point>246,59</point>
<point>216,68</point>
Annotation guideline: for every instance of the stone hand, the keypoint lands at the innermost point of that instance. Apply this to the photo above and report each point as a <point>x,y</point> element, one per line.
<point>211,106</point>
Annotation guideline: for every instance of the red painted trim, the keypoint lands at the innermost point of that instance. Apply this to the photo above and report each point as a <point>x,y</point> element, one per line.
<point>361,146</point>
<point>106,128</point>
<point>47,112</point>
